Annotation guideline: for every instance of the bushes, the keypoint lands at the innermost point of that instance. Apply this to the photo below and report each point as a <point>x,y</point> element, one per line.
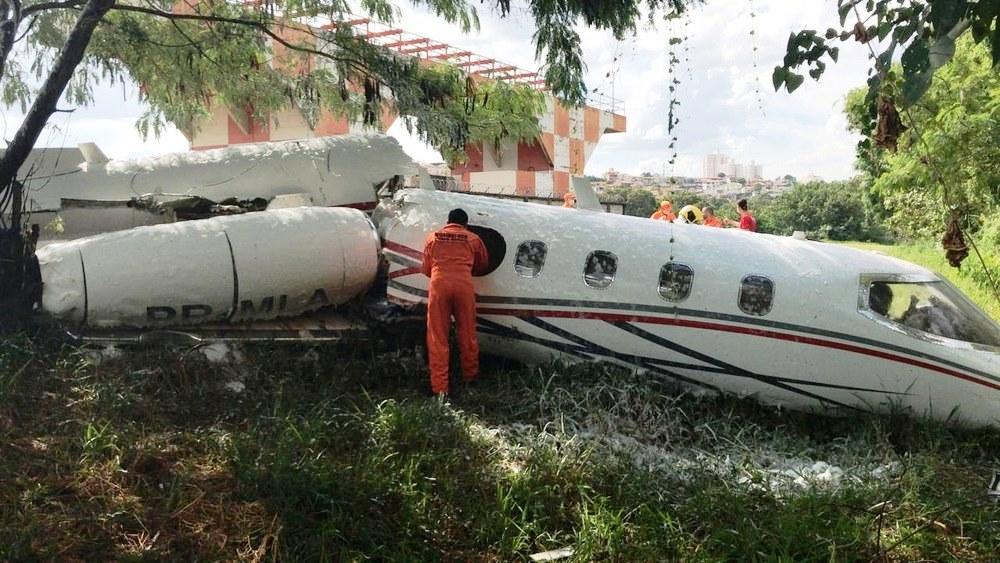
<point>823,210</point>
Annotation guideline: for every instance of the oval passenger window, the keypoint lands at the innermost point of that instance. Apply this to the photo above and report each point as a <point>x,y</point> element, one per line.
<point>675,281</point>
<point>756,295</point>
<point>530,258</point>
<point>600,268</point>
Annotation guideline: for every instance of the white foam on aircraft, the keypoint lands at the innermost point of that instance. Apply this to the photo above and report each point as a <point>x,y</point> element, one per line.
<point>342,170</point>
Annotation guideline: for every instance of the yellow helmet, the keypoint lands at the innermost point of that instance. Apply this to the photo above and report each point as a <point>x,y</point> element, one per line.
<point>690,214</point>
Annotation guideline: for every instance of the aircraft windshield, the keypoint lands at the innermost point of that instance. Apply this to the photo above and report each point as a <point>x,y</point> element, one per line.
<point>932,307</point>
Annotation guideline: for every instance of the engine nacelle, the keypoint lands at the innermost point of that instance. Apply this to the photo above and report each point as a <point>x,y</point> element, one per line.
<point>239,268</point>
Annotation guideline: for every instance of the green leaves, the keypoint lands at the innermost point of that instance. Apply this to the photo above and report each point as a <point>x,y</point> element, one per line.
<point>791,80</point>
<point>925,30</point>
<point>916,71</point>
<point>804,48</point>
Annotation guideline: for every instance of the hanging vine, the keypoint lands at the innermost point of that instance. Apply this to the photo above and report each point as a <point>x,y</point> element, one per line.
<point>754,45</point>
<point>673,119</point>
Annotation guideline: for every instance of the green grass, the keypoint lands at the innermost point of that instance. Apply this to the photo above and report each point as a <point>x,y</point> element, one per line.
<point>930,256</point>
<point>334,454</point>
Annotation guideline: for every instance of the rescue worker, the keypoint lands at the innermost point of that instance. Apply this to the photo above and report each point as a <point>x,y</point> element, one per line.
<point>747,221</point>
<point>664,213</point>
<point>710,220</point>
<point>451,255</point>
<point>569,200</point>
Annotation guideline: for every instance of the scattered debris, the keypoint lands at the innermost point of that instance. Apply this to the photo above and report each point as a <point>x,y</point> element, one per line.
<point>100,355</point>
<point>216,352</point>
<point>553,555</point>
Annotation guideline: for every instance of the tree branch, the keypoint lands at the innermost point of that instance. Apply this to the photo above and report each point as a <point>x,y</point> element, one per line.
<point>42,6</point>
<point>52,90</point>
<point>262,26</point>
<point>8,29</point>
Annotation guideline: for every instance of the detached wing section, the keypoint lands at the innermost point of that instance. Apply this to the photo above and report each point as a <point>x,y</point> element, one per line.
<point>98,195</point>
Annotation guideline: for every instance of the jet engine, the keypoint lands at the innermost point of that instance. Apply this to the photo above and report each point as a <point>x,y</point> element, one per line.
<point>256,266</point>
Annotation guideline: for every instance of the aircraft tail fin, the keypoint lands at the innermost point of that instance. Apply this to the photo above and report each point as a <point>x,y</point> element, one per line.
<point>586,198</point>
<point>92,154</point>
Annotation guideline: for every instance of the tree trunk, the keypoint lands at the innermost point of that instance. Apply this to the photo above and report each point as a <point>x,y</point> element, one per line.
<point>17,291</point>
<point>45,104</point>
<point>10,19</point>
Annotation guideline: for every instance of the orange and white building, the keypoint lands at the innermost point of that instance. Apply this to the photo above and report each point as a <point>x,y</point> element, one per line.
<point>540,168</point>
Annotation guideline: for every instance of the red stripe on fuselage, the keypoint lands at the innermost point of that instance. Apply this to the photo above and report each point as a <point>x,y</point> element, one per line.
<point>618,317</point>
<point>405,272</point>
<point>404,250</point>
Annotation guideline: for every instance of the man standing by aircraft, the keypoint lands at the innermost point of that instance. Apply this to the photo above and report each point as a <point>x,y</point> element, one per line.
<point>747,221</point>
<point>664,213</point>
<point>710,220</point>
<point>451,255</point>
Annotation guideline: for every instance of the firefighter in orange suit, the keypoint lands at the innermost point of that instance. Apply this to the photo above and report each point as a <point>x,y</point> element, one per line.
<point>569,200</point>
<point>664,213</point>
<point>451,255</point>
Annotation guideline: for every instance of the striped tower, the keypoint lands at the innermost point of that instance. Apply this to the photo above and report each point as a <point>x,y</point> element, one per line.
<point>539,168</point>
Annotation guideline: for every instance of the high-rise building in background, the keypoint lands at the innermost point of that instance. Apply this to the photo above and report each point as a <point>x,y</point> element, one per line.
<point>714,164</point>
<point>718,163</point>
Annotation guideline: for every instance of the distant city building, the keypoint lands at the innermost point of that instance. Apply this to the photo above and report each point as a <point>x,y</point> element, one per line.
<point>715,164</point>
<point>718,163</point>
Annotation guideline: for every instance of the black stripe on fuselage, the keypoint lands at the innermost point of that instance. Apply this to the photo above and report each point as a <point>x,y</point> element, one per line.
<point>734,370</point>
<point>584,347</point>
<point>597,349</point>
<point>640,308</point>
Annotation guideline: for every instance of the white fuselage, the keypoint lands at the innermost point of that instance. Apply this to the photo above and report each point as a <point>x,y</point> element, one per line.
<point>810,346</point>
<point>95,197</point>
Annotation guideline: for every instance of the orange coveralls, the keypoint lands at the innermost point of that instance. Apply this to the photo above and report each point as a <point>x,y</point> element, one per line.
<point>664,213</point>
<point>451,255</point>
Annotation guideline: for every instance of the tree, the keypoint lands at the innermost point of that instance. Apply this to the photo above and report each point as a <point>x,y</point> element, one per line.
<point>828,210</point>
<point>638,202</point>
<point>948,161</point>
<point>925,31</point>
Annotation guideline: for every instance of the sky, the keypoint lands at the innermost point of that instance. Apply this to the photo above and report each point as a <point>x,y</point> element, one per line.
<point>800,134</point>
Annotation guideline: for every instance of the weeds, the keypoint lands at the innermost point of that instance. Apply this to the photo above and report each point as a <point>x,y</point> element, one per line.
<point>333,454</point>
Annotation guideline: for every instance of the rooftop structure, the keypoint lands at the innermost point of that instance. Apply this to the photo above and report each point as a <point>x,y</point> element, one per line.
<point>541,167</point>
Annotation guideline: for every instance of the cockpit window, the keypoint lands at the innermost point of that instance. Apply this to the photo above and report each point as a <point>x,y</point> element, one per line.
<point>530,258</point>
<point>934,308</point>
<point>600,268</point>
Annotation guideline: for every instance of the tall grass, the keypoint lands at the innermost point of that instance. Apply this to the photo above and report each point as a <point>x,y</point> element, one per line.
<point>333,454</point>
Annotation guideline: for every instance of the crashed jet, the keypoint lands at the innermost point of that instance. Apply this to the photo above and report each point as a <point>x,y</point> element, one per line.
<point>799,323</point>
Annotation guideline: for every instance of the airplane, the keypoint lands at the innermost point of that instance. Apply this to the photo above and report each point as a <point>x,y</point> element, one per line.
<point>803,324</point>
<point>73,193</point>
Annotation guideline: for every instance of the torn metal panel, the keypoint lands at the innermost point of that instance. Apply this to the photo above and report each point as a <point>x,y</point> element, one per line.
<point>329,171</point>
